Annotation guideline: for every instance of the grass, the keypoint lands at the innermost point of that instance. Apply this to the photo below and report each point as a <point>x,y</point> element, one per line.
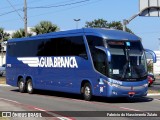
<point>2,80</point>
<point>153,91</point>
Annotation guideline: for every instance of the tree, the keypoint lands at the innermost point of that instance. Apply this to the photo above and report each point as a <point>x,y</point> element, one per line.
<point>4,35</point>
<point>150,66</point>
<point>45,27</point>
<point>118,25</point>
<point>97,23</point>
<point>20,33</point>
<point>101,23</point>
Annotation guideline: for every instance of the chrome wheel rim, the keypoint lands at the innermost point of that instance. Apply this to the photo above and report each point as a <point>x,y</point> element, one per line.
<point>29,86</point>
<point>87,91</point>
<point>21,85</point>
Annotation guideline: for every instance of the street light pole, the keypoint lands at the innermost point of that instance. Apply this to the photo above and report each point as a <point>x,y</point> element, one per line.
<point>125,21</point>
<point>124,24</point>
<point>77,20</point>
<point>159,44</point>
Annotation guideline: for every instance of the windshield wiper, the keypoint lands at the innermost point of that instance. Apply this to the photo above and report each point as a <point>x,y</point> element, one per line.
<point>124,69</point>
<point>127,63</point>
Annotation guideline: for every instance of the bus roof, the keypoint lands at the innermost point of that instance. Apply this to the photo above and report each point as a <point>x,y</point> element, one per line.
<point>102,32</point>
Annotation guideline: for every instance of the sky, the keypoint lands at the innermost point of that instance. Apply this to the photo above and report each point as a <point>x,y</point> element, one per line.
<point>63,12</point>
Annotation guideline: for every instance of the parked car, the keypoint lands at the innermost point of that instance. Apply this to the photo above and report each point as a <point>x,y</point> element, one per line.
<point>151,75</point>
<point>3,70</point>
<point>151,79</point>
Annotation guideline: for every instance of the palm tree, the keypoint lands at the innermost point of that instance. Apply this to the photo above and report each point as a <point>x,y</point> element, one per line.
<point>4,35</point>
<point>45,27</point>
<point>20,33</point>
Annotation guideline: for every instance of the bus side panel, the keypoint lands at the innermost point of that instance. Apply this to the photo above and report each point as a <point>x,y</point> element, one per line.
<point>50,78</point>
<point>12,71</point>
<point>63,79</point>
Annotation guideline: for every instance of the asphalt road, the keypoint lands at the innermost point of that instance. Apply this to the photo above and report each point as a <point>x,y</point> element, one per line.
<point>56,102</point>
<point>155,85</point>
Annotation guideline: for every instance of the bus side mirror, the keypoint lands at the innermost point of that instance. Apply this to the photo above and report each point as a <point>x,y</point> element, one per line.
<point>153,55</point>
<point>107,52</point>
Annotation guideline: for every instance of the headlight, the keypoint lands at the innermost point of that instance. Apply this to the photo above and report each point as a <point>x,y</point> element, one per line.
<point>145,85</point>
<point>112,84</point>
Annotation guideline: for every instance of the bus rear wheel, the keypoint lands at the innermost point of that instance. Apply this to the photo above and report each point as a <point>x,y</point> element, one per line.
<point>21,85</point>
<point>87,92</point>
<point>30,89</point>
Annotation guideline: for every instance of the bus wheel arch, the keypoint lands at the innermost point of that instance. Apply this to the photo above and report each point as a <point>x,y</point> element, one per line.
<point>86,90</point>
<point>29,85</point>
<point>21,84</point>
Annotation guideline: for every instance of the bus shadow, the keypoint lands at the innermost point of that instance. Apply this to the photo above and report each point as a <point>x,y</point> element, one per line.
<point>54,94</point>
<point>94,99</point>
<point>123,100</point>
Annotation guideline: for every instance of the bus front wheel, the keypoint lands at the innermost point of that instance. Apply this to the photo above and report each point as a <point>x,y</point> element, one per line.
<point>87,91</point>
<point>30,89</point>
<point>21,85</point>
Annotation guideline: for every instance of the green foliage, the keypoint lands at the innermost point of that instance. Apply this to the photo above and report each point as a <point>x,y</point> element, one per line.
<point>4,35</point>
<point>20,34</point>
<point>101,23</point>
<point>45,27</point>
<point>150,66</point>
<point>97,23</point>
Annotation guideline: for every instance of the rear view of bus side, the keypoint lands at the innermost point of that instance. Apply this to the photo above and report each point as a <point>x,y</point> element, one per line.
<point>91,62</point>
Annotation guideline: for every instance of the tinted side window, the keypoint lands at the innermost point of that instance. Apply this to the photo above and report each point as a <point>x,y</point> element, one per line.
<point>23,49</point>
<point>66,46</point>
<point>99,57</point>
<point>100,61</point>
<point>94,41</point>
<point>78,47</point>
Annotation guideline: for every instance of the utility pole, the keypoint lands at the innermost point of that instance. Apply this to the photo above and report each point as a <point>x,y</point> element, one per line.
<point>2,48</point>
<point>25,17</point>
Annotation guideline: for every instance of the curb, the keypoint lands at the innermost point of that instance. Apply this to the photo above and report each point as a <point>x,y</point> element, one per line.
<point>154,94</point>
<point>4,85</point>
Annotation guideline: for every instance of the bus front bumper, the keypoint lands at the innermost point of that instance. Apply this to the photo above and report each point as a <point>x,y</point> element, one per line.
<point>127,91</point>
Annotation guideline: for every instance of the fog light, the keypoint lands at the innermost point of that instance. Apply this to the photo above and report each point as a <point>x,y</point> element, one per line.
<point>114,92</point>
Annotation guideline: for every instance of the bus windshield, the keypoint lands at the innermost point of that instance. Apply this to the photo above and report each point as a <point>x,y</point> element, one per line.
<point>128,62</point>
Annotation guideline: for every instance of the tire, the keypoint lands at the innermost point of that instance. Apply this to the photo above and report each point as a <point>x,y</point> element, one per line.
<point>149,85</point>
<point>30,88</point>
<point>21,85</point>
<point>87,92</point>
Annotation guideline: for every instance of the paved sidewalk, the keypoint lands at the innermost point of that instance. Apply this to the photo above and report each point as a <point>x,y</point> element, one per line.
<point>8,109</point>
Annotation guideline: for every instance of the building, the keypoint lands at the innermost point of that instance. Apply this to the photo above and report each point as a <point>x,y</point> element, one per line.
<point>3,44</point>
<point>156,66</point>
<point>3,53</point>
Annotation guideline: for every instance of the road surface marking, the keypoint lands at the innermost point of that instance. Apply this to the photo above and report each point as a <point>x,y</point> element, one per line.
<point>10,100</point>
<point>157,99</point>
<point>40,109</point>
<point>64,118</point>
<point>129,109</point>
<point>61,117</point>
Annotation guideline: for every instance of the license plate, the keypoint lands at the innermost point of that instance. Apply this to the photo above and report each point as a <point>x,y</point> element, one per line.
<point>131,93</point>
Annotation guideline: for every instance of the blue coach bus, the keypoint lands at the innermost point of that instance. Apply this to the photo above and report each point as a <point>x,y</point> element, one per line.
<point>91,62</point>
